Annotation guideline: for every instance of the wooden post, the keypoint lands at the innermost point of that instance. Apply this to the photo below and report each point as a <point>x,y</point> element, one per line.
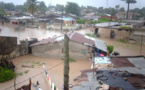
<point>62,21</point>
<point>141,43</point>
<point>15,83</point>
<point>29,83</point>
<point>66,62</point>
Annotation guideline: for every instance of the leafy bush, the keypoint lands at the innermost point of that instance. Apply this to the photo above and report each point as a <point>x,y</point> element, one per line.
<point>110,48</point>
<point>70,60</point>
<point>123,41</point>
<point>88,34</point>
<point>6,74</point>
<point>102,20</point>
<point>80,21</point>
<point>125,27</point>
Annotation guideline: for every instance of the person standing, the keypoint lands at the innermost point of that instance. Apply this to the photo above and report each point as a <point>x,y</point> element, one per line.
<point>113,34</point>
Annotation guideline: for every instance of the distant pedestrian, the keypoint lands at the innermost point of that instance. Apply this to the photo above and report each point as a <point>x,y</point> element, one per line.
<point>113,34</point>
<point>2,22</point>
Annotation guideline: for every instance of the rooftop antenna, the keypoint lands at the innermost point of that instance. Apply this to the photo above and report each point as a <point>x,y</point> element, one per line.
<point>107,3</point>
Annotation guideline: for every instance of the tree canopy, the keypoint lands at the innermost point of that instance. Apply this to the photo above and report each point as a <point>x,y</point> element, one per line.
<point>129,2</point>
<point>42,6</point>
<point>32,8</point>
<point>72,8</point>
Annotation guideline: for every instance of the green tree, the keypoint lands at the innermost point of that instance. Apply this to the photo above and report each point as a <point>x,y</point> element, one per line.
<point>19,7</point>
<point>142,12</point>
<point>42,6</point>
<point>113,12</point>
<point>9,6</point>
<point>72,8</point>
<point>59,7</point>
<point>100,9</point>
<point>128,3</point>
<point>117,8</point>
<point>32,8</point>
<point>2,12</point>
<point>122,9</point>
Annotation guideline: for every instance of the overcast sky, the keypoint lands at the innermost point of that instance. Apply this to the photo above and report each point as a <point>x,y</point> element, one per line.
<point>96,3</point>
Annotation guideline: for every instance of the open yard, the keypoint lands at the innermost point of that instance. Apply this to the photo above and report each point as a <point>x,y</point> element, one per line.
<point>55,71</point>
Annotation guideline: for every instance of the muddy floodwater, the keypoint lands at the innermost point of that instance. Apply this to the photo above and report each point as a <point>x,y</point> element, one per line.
<point>28,33</point>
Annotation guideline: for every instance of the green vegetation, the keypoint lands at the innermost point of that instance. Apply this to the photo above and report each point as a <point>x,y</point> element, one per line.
<point>80,21</point>
<point>102,20</point>
<point>21,73</point>
<point>70,60</point>
<point>110,48</point>
<point>6,74</point>
<point>122,21</point>
<point>26,71</point>
<point>72,8</point>
<point>88,34</point>
<point>37,63</point>
<point>125,27</point>
<point>123,41</point>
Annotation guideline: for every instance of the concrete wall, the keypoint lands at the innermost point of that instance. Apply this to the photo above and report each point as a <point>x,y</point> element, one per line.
<point>76,50</point>
<point>8,46</point>
<point>137,38</point>
<point>119,34</point>
<point>23,48</point>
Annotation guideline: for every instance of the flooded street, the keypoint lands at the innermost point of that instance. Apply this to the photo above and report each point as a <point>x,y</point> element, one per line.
<point>28,33</point>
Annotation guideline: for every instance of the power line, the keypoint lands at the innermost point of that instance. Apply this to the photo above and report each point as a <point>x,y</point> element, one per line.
<point>35,75</point>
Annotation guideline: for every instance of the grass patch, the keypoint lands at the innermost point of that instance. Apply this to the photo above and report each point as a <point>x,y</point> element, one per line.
<point>125,27</point>
<point>26,71</point>
<point>90,35</point>
<point>20,73</point>
<point>102,20</point>
<point>70,60</point>
<point>81,21</point>
<point>6,74</point>
<point>123,41</point>
<point>37,63</point>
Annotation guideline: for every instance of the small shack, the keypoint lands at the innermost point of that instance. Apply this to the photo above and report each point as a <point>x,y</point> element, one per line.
<point>80,46</point>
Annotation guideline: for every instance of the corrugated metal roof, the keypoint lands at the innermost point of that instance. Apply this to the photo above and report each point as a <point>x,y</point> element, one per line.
<point>139,33</point>
<point>77,37</point>
<point>45,41</point>
<point>107,24</point>
<point>138,62</point>
<point>100,45</point>
<point>80,38</point>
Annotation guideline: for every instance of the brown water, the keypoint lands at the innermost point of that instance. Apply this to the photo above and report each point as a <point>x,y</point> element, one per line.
<point>55,73</point>
<point>27,33</point>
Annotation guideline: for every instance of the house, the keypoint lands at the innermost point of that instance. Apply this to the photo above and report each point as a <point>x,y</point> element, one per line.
<point>104,30</point>
<point>89,17</point>
<point>110,17</point>
<point>80,46</point>
<point>127,73</point>
<point>122,15</point>
<point>101,47</point>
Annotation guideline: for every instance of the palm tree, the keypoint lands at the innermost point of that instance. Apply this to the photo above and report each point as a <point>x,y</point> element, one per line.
<point>129,2</point>
<point>117,8</point>
<point>32,8</point>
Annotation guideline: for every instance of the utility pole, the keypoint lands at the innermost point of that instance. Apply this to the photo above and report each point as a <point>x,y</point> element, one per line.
<point>66,62</point>
<point>62,20</point>
<point>141,43</point>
